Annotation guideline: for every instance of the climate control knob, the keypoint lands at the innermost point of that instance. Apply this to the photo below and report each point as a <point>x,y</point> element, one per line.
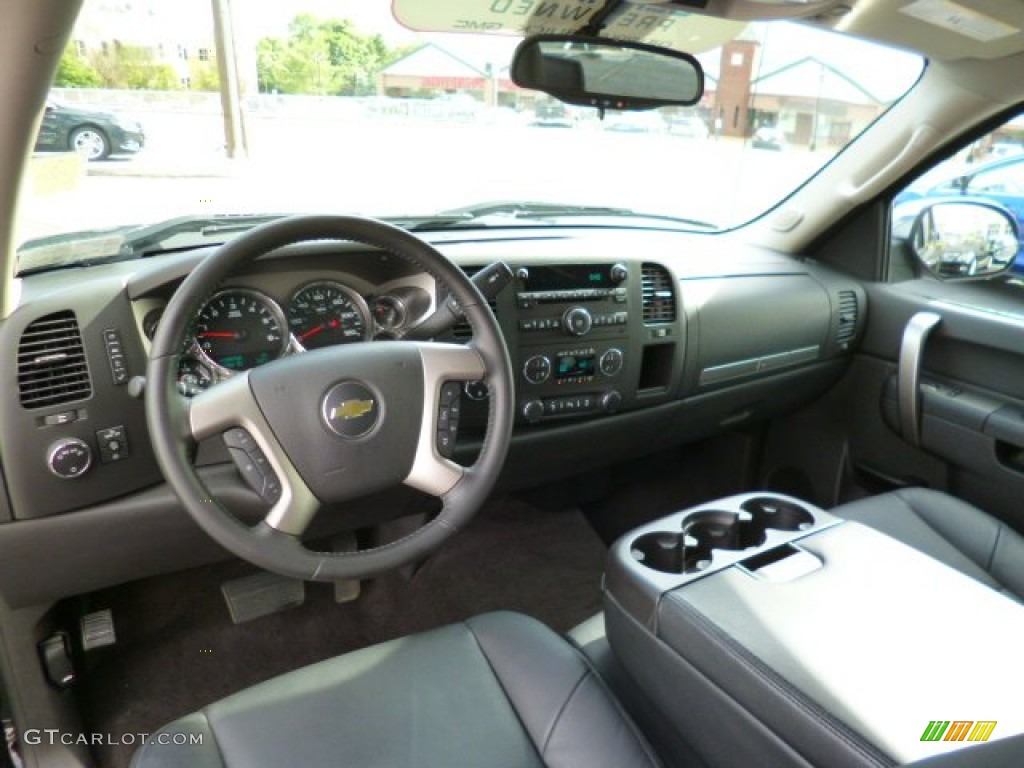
<point>69,458</point>
<point>533,411</point>
<point>611,402</point>
<point>537,369</point>
<point>577,321</point>
<point>611,361</point>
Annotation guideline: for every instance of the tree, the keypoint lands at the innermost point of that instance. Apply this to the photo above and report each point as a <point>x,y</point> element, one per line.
<point>134,67</point>
<point>75,72</point>
<point>322,56</point>
<point>204,76</point>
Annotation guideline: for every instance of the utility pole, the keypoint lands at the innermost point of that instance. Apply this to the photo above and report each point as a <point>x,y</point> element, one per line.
<point>227,69</point>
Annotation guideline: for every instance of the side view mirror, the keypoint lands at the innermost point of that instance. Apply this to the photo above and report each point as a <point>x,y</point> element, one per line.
<point>965,239</point>
<point>607,74</point>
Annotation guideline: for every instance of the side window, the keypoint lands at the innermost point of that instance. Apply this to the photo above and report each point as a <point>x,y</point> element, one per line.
<point>964,218</point>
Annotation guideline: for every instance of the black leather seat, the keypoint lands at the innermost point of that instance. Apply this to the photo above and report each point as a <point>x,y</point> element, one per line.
<point>956,533</point>
<point>497,690</point>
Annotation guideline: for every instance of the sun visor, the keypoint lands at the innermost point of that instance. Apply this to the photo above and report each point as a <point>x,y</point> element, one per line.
<point>656,23</point>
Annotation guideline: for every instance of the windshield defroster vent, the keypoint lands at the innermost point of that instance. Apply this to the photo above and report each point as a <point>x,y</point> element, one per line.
<point>51,362</point>
<point>659,298</point>
<point>847,317</point>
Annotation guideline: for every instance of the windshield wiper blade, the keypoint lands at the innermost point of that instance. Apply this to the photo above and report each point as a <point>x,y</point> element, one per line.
<point>520,209</point>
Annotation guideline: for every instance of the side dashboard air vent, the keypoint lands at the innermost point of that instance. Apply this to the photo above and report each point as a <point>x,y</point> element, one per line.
<point>659,298</point>
<point>461,331</point>
<point>847,317</point>
<point>51,362</point>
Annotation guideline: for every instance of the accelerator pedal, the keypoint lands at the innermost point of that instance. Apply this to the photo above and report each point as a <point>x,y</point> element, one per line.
<point>346,590</point>
<point>261,594</point>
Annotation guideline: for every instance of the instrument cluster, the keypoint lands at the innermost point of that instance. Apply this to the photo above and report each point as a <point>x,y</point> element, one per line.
<point>242,328</point>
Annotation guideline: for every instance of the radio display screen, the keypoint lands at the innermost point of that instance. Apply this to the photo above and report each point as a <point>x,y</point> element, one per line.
<point>569,366</point>
<point>569,277</point>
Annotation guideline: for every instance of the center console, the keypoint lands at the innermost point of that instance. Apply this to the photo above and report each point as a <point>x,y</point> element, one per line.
<point>573,328</point>
<point>771,633</point>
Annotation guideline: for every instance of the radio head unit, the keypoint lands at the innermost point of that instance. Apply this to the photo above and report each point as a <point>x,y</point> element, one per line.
<point>571,277</point>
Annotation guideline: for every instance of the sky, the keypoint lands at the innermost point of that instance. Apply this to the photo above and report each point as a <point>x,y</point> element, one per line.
<point>885,74</point>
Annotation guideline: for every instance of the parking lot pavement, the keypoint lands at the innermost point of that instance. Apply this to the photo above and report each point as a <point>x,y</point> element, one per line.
<point>390,167</point>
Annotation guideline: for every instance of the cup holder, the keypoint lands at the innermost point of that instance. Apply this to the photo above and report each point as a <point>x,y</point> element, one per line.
<point>690,550</point>
<point>670,552</point>
<point>781,515</point>
<point>717,529</point>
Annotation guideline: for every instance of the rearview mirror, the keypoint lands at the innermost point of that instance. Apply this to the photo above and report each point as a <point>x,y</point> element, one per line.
<point>607,74</point>
<point>965,239</point>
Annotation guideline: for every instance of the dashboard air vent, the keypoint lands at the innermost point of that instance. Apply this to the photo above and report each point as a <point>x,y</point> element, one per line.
<point>51,362</point>
<point>847,317</point>
<point>461,331</point>
<point>659,298</point>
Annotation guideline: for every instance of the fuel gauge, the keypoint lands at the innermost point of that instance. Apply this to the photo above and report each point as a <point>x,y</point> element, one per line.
<point>389,314</point>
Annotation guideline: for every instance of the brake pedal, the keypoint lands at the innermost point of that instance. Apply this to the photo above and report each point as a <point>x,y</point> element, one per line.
<point>252,597</point>
<point>97,630</point>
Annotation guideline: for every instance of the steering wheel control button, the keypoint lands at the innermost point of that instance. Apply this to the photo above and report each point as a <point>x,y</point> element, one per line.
<point>115,355</point>
<point>253,464</point>
<point>449,392</point>
<point>577,321</point>
<point>537,369</point>
<point>476,390</point>
<point>446,443</point>
<point>69,458</point>
<point>611,362</point>
<point>113,443</point>
<point>449,409</point>
<point>351,410</point>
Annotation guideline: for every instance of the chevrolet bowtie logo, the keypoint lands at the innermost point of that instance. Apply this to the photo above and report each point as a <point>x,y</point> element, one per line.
<point>351,409</point>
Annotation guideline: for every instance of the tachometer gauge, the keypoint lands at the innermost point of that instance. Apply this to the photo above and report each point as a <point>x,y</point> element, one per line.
<point>323,314</point>
<point>240,329</point>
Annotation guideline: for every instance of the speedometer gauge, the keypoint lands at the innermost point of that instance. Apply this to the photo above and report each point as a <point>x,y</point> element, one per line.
<point>323,314</point>
<point>240,329</point>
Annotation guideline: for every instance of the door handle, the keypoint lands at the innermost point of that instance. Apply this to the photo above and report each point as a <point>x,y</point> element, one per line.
<point>915,334</point>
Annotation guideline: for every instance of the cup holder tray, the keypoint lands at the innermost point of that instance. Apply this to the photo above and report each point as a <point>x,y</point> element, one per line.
<point>749,530</point>
<point>691,548</point>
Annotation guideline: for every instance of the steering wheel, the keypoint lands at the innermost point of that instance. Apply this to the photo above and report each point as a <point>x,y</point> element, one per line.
<point>334,423</point>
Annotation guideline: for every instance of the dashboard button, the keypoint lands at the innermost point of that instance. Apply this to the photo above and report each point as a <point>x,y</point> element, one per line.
<point>611,361</point>
<point>577,321</point>
<point>64,417</point>
<point>537,369</point>
<point>69,458</point>
<point>533,411</point>
<point>113,443</point>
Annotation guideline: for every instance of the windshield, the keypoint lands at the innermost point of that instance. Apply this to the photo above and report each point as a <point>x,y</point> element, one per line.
<point>173,110</point>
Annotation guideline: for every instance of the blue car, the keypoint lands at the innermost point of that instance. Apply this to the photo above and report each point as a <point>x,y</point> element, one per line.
<point>999,181</point>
